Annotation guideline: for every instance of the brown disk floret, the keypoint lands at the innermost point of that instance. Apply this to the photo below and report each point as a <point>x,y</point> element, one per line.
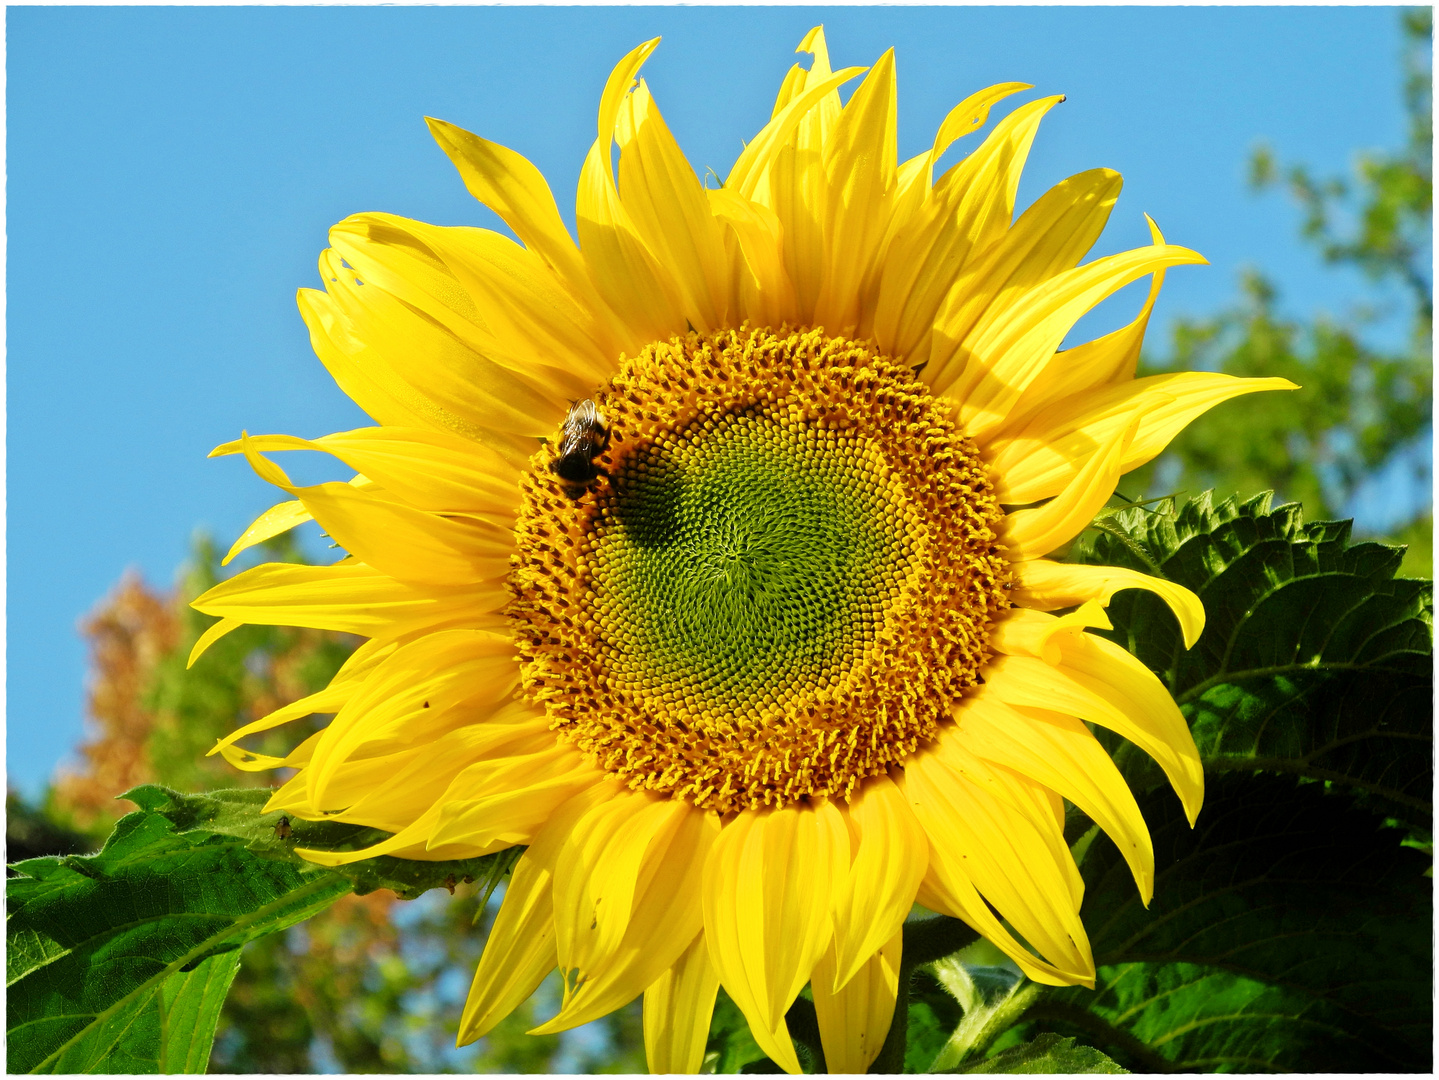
<point>781,581</point>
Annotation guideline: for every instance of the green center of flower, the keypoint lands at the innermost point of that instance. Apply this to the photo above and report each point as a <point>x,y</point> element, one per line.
<point>745,559</point>
<point>779,582</point>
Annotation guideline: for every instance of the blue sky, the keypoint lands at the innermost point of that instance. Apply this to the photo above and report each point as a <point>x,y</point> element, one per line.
<point>172,173</point>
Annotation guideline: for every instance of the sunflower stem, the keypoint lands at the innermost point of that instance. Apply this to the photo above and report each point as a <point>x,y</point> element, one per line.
<point>925,941</point>
<point>803,1024</point>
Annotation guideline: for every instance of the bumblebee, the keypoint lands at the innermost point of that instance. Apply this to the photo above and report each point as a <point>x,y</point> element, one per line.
<point>583,438</point>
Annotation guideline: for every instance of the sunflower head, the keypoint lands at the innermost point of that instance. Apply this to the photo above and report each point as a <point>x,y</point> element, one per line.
<point>706,559</point>
<point>783,582</point>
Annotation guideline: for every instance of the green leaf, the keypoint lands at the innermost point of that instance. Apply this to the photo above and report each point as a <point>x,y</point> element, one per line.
<point>237,813</point>
<point>1290,931</point>
<point>189,1005</point>
<point>118,962</point>
<point>168,1029</point>
<point>1046,1054</point>
<point>1314,661</point>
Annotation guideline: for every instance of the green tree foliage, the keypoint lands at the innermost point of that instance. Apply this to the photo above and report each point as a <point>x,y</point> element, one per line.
<point>1360,407</point>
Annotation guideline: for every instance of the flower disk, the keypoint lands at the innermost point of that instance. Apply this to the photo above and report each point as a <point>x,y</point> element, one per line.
<point>783,581</point>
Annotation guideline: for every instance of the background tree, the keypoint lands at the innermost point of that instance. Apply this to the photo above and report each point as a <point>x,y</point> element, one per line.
<point>1361,408</point>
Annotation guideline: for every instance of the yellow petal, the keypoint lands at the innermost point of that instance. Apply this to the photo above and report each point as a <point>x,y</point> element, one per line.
<point>948,890</point>
<point>1046,585</point>
<point>415,357</point>
<point>797,78</point>
<point>889,863</point>
<point>1105,361</point>
<point>407,544</point>
<point>497,297</point>
<point>980,841</point>
<point>251,762</point>
<point>664,922</point>
<point>782,167</point>
<point>521,948</point>
<point>968,116</point>
<point>762,290</point>
<point>430,470</point>
<point>795,188</point>
<point>769,889</point>
<point>535,786</point>
<point>408,786</point>
<point>1022,632</point>
<point>969,209</point>
<point>677,1012</point>
<point>750,171</point>
<point>1098,681</point>
<point>854,1021</point>
<point>327,700</point>
<point>420,683</point>
<point>860,158</point>
<point>1031,801</point>
<point>1014,346</point>
<point>376,390</point>
<point>1047,453</point>
<point>506,801</point>
<point>342,687</point>
<point>633,281</point>
<point>597,875</point>
<point>1048,239</point>
<point>1061,753</point>
<point>349,597</point>
<point>916,176</point>
<point>282,517</point>
<point>721,903</point>
<point>1038,531</point>
<point>211,635</point>
<point>513,188</point>
<point>670,211</point>
<point>627,274</point>
<point>410,545</point>
<point>408,843</point>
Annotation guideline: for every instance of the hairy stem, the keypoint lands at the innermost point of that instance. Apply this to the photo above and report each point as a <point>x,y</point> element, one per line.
<point>925,941</point>
<point>803,1024</point>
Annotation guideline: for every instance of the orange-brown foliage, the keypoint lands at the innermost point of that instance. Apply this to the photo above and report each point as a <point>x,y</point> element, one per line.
<point>129,633</point>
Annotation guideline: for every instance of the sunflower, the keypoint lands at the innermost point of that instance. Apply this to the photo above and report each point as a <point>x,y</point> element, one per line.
<point>706,559</point>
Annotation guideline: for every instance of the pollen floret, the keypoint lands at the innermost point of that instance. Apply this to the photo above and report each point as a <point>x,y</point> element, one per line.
<point>782,586</point>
